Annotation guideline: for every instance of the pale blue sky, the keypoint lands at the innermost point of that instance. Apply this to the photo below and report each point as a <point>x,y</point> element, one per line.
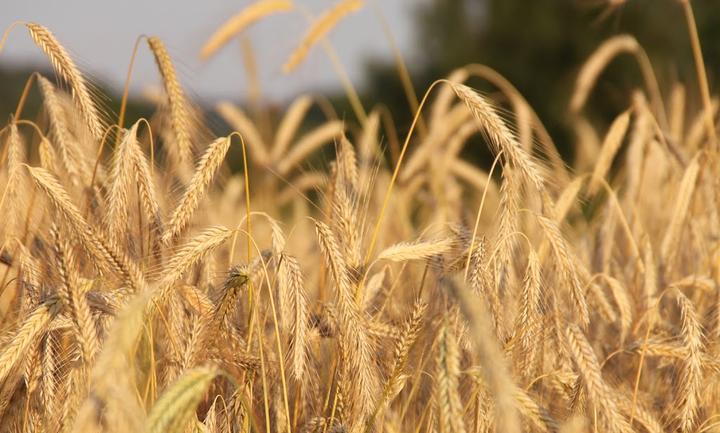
<point>100,35</point>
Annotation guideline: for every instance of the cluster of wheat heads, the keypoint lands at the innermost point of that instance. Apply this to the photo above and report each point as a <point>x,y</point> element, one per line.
<point>147,288</point>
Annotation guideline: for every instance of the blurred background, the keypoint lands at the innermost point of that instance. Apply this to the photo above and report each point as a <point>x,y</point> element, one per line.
<point>537,45</point>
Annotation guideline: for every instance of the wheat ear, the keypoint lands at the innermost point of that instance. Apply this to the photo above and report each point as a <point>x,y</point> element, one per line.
<point>319,29</point>
<point>180,112</point>
<point>34,324</point>
<point>66,69</point>
<point>208,165</point>
<point>290,283</point>
<point>691,374</point>
<point>355,341</point>
<point>105,255</point>
<point>60,133</point>
<point>447,374</point>
<point>589,369</point>
<point>173,411</point>
<point>245,18</point>
<point>499,135</point>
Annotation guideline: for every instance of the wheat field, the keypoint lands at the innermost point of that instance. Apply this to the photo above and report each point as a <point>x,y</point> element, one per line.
<point>396,287</point>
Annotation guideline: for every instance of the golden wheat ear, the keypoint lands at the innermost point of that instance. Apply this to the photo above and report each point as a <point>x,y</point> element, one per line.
<point>499,135</point>
<point>239,22</point>
<point>180,111</point>
<point>175,409</point>
<point>319,29</point>
<point>208,165</point>
<point>66,69</point>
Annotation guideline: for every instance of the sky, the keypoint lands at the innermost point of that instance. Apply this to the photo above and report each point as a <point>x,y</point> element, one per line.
<point>100,35</point>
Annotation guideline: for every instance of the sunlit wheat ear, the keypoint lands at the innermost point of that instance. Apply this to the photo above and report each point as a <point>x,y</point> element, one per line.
<point>596,63</point>
<point>208,165</point>
<point>529,320</point>
<point>60,134</point>
<point>598,391</point>
<point>345,218</point>
<point>610,146</point>
<point>499,136</point>
<point>12,194</point>
<point>174,410</point>
<point>309,143</point>
<point>185,256</point>
<point>642,414</point>
<point>239,22</point>
<point>146,188</point>
<point>538,415</point>
<point>120,183</point>
<point>104,254</point>
<point>495,371</point>
<point>447,374</point>
<point>290,283</point>
<point>355,341</point>
<point>289,125</point>
<point>408,335</point>
<point>347,165</point>
<point>564,259</point>
<point>33,325</point>
<point>73,296</point>
<point>625,307</point>
<point>690,382</point>
<point>510,196</point>
<point>682,200</point>
<point>528,407</point>
<point>236,281</point>
<point>29,275</point>
<point>48,158</point>
<point>66,69</point>
<point>241,123</point>
<point>421,250</point>
<point>180,111</point>
<point>319,29</point>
